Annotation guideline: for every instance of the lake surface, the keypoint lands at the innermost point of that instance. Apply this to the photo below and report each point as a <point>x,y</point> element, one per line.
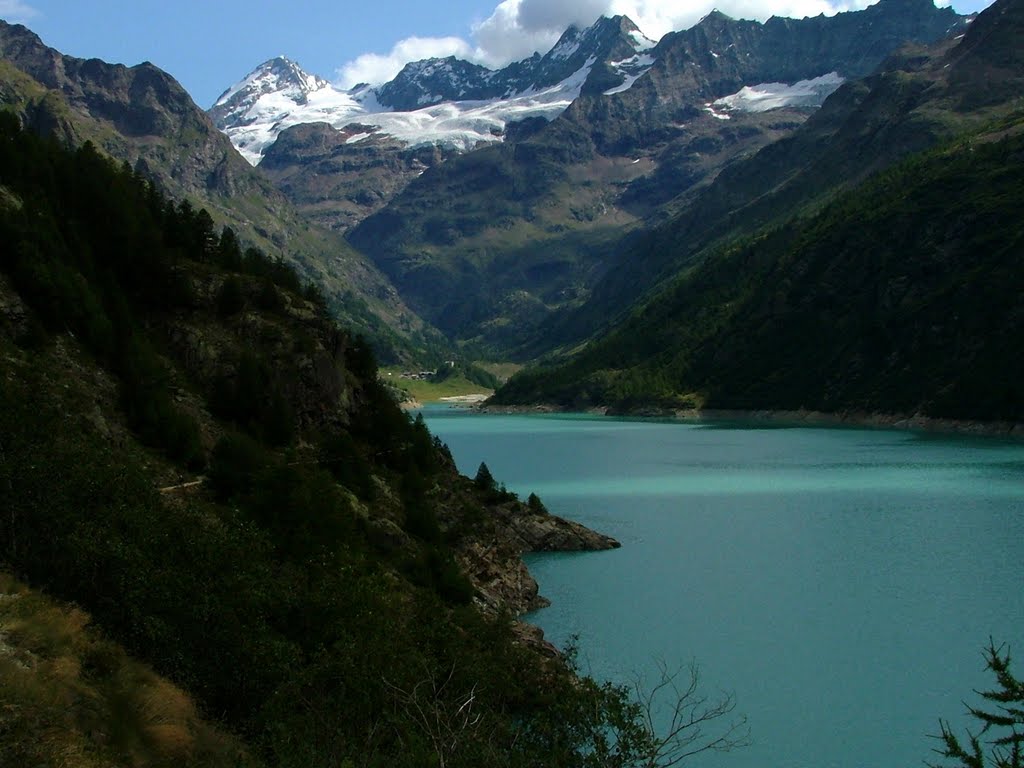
<point>842,582</point>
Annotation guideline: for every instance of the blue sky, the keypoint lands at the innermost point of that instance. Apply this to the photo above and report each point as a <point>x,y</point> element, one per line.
<point>208,45</point>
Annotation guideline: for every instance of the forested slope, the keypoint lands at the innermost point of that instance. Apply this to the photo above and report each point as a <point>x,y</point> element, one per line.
<point>309,588</point>
<point>142,116</point>
<point>903,296</point>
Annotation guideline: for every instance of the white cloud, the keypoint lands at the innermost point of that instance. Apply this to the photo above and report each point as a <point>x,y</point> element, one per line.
<point>501,37</point>
<point>556,15</point>
<point>518,28</point>
<point>376,68</point>
<point>16,11</point>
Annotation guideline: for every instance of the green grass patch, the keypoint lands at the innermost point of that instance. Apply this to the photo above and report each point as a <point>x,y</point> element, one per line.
<point>429,391</point>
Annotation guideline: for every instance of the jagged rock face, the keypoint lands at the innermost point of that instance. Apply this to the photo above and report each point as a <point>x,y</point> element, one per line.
<point>433,81</point>
<point>720,55</point>
<point>139,104</point>
<point>492,558</point>
<point>986,67</point>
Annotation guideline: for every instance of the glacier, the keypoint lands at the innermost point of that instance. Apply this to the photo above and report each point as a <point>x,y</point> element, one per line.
<point>764,97</point>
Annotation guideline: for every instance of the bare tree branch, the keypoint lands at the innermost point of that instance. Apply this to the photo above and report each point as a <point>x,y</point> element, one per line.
<point>695,723</point>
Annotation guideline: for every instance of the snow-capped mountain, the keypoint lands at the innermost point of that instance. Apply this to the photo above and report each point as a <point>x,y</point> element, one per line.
<point>280,77</point>
<point>445,102</point>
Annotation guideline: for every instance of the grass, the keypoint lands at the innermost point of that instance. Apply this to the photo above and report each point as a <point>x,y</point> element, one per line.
<point>72,698</point>
<point>428,391</point>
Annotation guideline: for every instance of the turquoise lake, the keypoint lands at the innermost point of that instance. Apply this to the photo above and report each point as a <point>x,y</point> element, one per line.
<point>842,582</point>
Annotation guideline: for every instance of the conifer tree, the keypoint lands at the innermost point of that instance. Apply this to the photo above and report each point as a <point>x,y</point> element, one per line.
<point>1004,717</point>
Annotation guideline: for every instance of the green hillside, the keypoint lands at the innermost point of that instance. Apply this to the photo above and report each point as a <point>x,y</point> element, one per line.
<point>142,116</point>
<point>192,453</point>
<point>903,296</point>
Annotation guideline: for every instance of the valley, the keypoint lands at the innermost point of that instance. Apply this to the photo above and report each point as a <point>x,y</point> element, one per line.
<point>499,238</point>
<point>252,515</point>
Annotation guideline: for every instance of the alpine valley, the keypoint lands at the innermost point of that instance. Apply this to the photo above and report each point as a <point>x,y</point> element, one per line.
<point>222,542</point>
<point>497,201</point>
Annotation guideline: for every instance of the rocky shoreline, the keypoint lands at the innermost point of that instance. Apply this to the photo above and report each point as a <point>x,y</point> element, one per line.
<point>492,560</point>
<point>911,422</point>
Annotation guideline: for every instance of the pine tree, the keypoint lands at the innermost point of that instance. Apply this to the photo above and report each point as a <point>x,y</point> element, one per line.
<point>484,479</point>
<point>1006,715</point>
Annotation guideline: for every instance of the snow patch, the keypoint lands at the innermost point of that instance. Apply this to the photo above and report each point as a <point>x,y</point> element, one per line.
<point>764,97</point>
<point>641,60</point>
<point>355,138</point>
<point>718,115</point>
<point>632,69</point>
<point>640,41</point>
<point>625,85</point>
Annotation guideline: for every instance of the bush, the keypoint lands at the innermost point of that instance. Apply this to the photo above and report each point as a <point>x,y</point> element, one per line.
<point>235,464</point>
<point>230,298</point>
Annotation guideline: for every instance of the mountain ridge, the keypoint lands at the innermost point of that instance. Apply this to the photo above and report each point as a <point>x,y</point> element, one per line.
<point>143,117</point>
<point>256,110</point>
<point>612,162</point>
<point>868,267</point>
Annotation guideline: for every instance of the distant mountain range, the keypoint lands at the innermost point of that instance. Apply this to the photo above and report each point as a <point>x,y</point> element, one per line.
<point>870,263</point>
<point>496,200</point>
<point>445,102</point>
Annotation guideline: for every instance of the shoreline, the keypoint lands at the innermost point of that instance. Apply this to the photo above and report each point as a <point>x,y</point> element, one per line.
<point>798,418</point>
<point>473,400</point>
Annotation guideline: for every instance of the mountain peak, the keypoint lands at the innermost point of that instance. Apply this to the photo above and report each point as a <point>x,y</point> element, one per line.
<point>277,75</point>
<point>619,24</point>
<point>600,37</point>
<point>428,82</point>
<point>716,18</point>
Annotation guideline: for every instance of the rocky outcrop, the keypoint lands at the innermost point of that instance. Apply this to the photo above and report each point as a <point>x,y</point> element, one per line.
<point>14,315</point>
<point>492,556</point>
<point>538,532</point>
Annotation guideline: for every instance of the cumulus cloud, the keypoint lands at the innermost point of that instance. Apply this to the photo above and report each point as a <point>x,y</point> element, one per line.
<point>16,11</point>
<point>378,68</point>
<point>518,28</point>
<point>547,15</point>
<point>501,37</point>
<point>657,17</point>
